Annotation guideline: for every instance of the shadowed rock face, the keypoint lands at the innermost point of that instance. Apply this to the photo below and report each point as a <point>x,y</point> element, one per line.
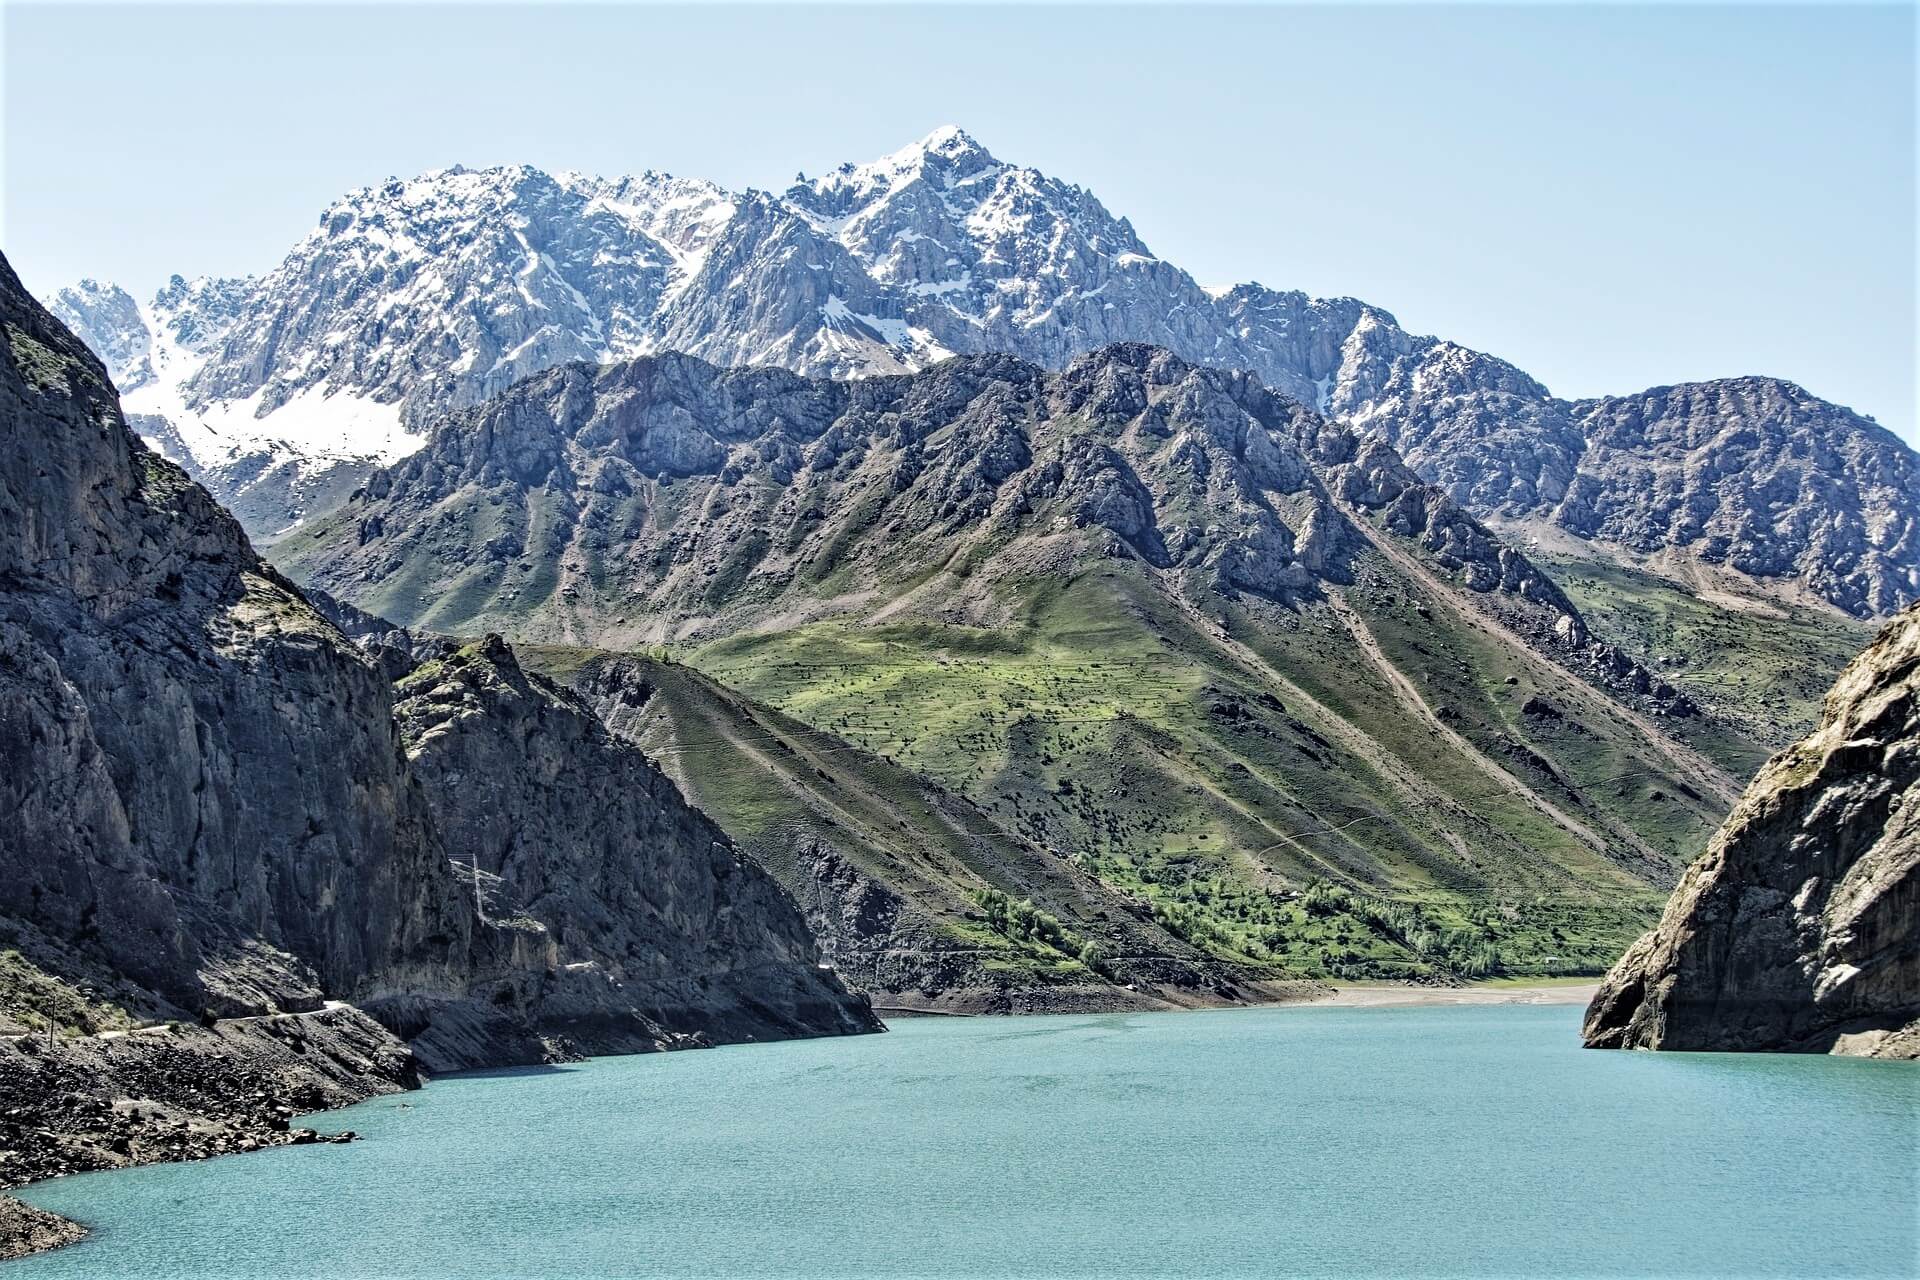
<point>1800,928</point>
<point>654,919</point>
<point>209,796</point>
<point>204,775</point>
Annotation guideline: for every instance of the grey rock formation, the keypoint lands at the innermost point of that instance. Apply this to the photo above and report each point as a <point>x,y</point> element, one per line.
<point>666,498</point>
<point>205,776</point>
<point>210,795</point>
<point>654,920</point>
<point>1799,930</point>
<point>419,296</point>
<point>108,320</point>
<point>1757,475</point>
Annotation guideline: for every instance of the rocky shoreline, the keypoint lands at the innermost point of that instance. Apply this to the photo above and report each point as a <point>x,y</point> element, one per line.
<point>224,812</point>
<point>25,1229</point>
<point>177,1092</point>
<point>1798,931</point>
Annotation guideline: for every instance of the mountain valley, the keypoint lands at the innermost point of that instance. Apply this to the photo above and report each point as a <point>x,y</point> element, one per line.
<point>247,873</point>
<point>1140,644</point>
<point>610,669</point>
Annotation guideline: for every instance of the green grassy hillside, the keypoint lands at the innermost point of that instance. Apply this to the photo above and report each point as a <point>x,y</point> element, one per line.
<point>918,894</point>
<point>1762,666</point>
<point>1003,666</point>
<point>1521,827</point>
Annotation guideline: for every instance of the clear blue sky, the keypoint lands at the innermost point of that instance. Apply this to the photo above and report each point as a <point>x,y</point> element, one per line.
<point>1610,196</point>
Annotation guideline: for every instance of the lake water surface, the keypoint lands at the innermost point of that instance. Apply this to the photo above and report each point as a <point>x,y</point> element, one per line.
<point>1460,1141</point>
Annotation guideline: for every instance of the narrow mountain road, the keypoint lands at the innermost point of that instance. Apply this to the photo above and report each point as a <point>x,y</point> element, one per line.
<point>160,1028</point>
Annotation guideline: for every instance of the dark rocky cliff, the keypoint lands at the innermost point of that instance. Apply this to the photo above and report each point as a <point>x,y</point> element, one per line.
<point>208,788</point>
<point>659,928</point>
<point>212,813</point>
<point>1800,928</point>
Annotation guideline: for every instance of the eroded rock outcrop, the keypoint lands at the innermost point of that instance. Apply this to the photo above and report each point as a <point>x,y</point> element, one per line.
<point>1800,928</point>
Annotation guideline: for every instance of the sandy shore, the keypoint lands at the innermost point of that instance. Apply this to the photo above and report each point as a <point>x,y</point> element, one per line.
<point>1387,995</point>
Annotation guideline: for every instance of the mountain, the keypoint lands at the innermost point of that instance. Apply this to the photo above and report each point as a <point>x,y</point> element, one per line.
<point>655,916</point>
<point>415,297</point>
<point>1174,639</point>
<point>221,810</point>
<point>1797,930</point>
<point>896,873</point>
<point>270,471</point>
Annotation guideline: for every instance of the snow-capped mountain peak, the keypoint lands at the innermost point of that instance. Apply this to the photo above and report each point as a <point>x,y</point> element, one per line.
<point>947,157</point>
<point>418,295</point>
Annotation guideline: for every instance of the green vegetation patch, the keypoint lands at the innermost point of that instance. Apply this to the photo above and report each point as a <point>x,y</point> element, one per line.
<point>45,369</point>
<point>29,996</point>
<point>1102,727</point>
<point>1764,668</point>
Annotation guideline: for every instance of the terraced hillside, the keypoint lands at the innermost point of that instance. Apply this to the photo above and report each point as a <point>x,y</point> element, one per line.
<point>1175,640</point>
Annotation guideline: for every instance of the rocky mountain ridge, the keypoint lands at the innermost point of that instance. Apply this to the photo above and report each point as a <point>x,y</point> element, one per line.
<point>418,296</point>
<point>1799,929</point>
<point>667,497</point>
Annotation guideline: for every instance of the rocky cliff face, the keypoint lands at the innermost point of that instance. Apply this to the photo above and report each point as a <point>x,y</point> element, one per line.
<point>211,796</point>
<point>206,779</point>
<point>1799,930</point>
<point>658,932</point>
<point>418,296</point>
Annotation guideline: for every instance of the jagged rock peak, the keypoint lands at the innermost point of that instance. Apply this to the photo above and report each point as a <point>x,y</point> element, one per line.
<point>949,153</point>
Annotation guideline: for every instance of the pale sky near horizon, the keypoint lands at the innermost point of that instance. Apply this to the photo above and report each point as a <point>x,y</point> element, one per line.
<point>1610,196</point>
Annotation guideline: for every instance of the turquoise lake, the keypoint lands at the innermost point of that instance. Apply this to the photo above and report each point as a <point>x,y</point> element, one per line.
<point>1448,1141</point>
